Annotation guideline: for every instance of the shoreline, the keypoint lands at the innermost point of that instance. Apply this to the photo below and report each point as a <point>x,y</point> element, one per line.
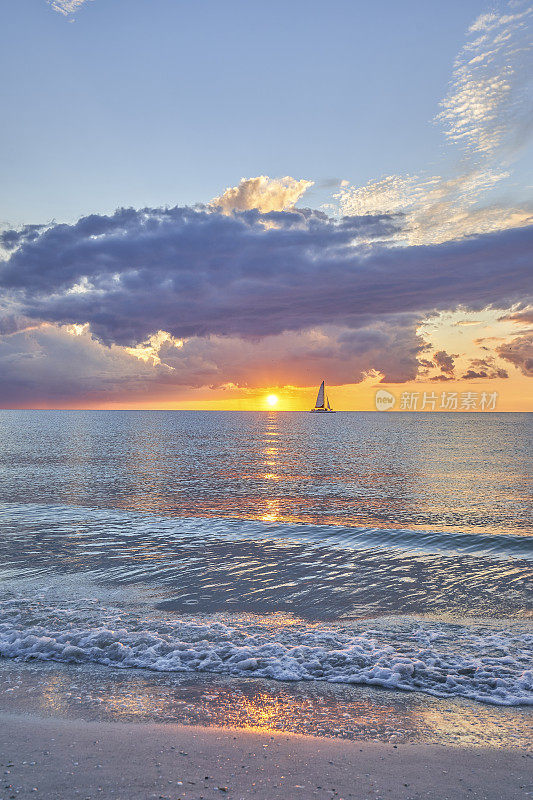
<point>357,713</point>
<point>58,758</point>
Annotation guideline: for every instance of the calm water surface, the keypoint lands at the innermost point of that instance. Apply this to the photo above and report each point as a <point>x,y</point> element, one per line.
<point>388,550</point>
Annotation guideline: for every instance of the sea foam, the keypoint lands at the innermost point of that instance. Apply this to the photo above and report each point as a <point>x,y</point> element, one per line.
<point>487,664</point>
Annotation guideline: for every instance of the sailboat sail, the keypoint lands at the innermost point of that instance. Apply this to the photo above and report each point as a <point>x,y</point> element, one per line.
<point>322,401</point>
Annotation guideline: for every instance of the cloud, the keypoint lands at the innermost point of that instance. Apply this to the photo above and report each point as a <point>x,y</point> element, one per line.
<point>12,323</point>
<point>487,109</point>
<point>300,358</point>
<point>192,272</point>
<point>10,239</point>
<point>523,317</point>
<point>436,209</point>
<point>444,361</point>
<point>470,374</point>
<point>66,7</point>
<point>56,364</point>
<point>487,115</point>
<point>50,364</point>
<point>387,195</point>
<point>484,368</point>
<point>519,351</point>
<point>264,193</point>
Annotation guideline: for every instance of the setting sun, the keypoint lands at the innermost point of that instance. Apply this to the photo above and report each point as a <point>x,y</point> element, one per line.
<point>272,399</point>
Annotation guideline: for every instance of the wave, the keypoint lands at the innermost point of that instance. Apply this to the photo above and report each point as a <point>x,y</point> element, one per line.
<point>126,523</point>
<point>491,665</point>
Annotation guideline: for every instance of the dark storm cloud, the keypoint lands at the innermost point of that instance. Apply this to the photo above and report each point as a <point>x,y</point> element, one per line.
<point>195,272</point>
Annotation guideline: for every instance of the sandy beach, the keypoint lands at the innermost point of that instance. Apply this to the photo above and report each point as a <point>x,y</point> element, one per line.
<point>56,758</point>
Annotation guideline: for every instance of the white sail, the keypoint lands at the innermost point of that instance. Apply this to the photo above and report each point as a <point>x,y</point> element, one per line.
<point>322,402</point>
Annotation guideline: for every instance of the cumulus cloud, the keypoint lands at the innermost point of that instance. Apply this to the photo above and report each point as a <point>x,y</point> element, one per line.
<point>197,273</point>
<point>487,115</point>
<point>301,358</point>
<point>519,351</point>
<point>264,193</point>
<point>66,7</point>
<point>57,364</point>
<point>150,302</point>
<point>50,364</point>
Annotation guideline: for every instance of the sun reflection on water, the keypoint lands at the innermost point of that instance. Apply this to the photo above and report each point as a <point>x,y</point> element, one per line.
<point>271,511</point>
<point>265,706</point>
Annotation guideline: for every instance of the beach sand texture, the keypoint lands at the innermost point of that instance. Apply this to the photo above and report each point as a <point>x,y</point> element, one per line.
<point>56,759</point>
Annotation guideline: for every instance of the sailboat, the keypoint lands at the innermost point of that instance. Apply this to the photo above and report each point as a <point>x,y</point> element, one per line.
<point>322,405</point>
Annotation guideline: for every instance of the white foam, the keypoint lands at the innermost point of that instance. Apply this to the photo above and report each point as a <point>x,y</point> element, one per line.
<point>478,662</point>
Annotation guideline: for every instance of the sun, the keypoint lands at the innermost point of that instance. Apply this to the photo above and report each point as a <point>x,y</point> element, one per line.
<point>272,399</point>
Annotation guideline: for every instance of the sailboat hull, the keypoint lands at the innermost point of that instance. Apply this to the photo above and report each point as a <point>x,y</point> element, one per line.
<point>321,411</point>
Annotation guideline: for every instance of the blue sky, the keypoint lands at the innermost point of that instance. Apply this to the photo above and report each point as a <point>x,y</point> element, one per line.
<point>153,102</point>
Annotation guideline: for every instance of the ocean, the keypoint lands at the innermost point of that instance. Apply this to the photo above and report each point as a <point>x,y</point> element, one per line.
<point>284,569</point>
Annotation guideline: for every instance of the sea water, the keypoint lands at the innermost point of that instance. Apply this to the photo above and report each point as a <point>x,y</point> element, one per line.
<point>355,549</point>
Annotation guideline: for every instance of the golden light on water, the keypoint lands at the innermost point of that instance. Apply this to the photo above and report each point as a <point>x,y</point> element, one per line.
<point>272,399</point>
<point>357,713</point>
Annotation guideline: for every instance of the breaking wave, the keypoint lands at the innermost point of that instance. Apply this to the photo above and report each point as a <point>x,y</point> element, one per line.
<point>488,664</point>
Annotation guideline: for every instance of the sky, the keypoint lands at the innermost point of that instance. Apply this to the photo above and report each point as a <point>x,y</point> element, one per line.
<point>206,204</point>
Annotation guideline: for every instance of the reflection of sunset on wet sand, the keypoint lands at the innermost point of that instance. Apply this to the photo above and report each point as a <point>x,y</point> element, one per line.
<point>349,712</point>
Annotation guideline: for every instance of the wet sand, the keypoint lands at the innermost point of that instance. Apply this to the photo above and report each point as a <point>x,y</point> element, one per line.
<point>53,759</point>
<point>317,709</point>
